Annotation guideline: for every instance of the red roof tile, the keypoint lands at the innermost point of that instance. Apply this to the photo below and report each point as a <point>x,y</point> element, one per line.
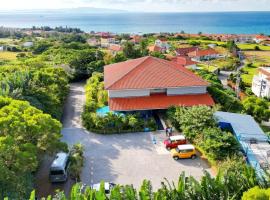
<point>159,101</point>
<point>202,52</point>
<point>149,72</point>
<point>183,60</point>
<point>154,48</point>
<point>115,47</point>
<point>185,51</point>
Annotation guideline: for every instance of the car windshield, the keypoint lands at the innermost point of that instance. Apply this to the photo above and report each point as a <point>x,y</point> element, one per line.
<point>57,172</point>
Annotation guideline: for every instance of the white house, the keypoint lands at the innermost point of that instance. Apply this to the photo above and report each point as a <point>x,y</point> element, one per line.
<point>150,83</point>
<point>28,44</point>
<point>107,41</point>
<point>203,54</point>
<point>163,44</point>
<point>94,42</point>
<point>261,38</point>
<point>261,82</point>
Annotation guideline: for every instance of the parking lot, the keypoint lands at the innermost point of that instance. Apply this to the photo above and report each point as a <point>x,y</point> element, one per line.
<point>119,158</point>
<point>130,158</point>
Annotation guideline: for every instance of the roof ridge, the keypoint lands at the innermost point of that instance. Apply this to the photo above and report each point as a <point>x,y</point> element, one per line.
<point>143,60</point>
<point>181,71</point>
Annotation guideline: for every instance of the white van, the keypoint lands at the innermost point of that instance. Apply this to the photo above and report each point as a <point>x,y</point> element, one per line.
<point>59,168</point>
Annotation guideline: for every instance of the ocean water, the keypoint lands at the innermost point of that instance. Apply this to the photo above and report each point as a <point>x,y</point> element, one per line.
<point>225,22</point>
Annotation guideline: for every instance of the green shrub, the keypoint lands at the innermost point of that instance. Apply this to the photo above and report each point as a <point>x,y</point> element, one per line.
<point>76,161</point>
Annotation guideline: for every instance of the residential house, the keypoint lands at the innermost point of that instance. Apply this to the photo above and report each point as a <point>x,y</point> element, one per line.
<point>136,39</point>
<point>28,44</point>
<point>261,38</point>
<point>155,48</point>
<point>203,54</point>
<point>150,83</point>
<point>105,42</point>
<point>163,44</point>
<point>261,82</point>
<point>185,61</point>
<point>115,48</point>
<point>185,51</point>
<point>243,38</point>
<point>94,42</point>
<point>2,48</point>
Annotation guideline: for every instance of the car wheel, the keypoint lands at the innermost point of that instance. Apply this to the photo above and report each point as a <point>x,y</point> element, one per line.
<point>176,158</point>
<point>193,156</point>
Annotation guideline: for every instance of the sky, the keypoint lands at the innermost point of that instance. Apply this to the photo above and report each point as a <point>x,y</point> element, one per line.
<point>142,5</point>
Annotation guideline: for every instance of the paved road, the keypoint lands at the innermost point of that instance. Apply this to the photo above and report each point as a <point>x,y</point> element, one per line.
<point>122,158</point>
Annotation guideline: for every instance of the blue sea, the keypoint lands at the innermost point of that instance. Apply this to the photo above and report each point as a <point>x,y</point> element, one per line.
<point>224,22</point>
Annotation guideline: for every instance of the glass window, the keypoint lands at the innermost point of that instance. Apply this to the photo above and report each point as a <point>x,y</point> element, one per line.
<point>57,172</point>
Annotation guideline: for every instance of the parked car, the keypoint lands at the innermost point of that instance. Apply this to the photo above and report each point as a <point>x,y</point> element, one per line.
<point>107,185</point>
<point>59,168</point>
<point>184,151</point>
<point>173,141</point>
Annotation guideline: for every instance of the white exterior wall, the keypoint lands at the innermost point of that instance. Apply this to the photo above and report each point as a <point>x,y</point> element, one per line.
<point>258,87</point>
<point>128,93</point>
<point>186,90</point>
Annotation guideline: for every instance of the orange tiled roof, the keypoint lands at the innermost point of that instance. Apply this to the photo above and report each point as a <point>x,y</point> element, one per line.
<point>185,51</point>
<point>115,47</point>
<point>202,52</point>
<point>184,60</point>
<point>154,48</point>
<point>159,101</point>
<point>149,72</point>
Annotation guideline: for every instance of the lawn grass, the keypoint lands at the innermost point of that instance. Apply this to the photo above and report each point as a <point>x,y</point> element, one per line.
<point>8,41</point>
<point>7,55</point>
<point>207,41</point>
<point>258,59</point>
<point>248,75</point>
<point>209,68</point>
<point>252,47</point>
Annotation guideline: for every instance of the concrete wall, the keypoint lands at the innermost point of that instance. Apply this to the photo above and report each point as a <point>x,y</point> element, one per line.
<point>186,90</point>
<point>128,93</point>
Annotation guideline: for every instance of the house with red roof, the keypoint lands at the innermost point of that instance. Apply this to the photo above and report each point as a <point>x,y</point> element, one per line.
<point>261,38</point>
<point>115,48</point>
<point>136,39</point>
<point>185,51</point>
<point>203,54</point>
<point>185,61</point>
<point>155,48</point>
<point>163,44</point>
<point>150,83</point>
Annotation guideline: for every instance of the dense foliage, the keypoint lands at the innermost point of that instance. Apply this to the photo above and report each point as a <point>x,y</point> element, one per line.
<point>97,97</point>
<point>257,107</point>
<point>26,133</point>
<point>225,98</point>
<point>256,193</point>
<point>76,161</point>
<point>199,126</point>
<point>45,88</point>
<point>227,185</point>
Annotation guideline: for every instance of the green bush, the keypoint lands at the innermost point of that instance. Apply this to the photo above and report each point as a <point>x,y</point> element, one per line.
<point>200,127</point>
<point>76,161</point>
<point>256,193</point>
<point>97,97</point>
